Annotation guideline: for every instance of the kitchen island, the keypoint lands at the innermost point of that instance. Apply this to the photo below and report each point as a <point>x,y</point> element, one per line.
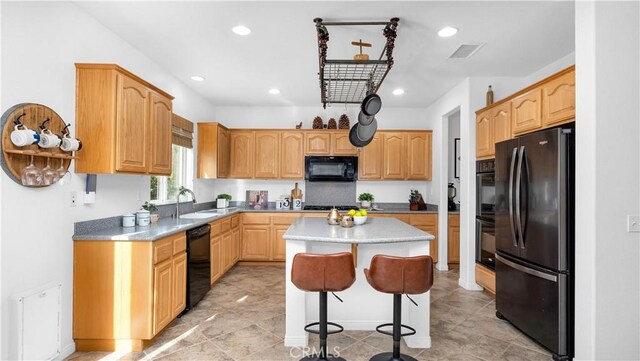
<point>364,308</point>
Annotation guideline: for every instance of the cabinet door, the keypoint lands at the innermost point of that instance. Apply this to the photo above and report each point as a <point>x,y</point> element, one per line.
<point>179,283</point>
<point>279,244</point>
<point>241,154</point>
<point>341,145</point>
<point>370,159</point>
<point>223,153</point>
<point>453,239</point>
<point>235,246</point>
<point>162,295</point>
<point>216,258</point>
<point>501,123</point>
<point>317,143</point>
<point>255,243</point>
<point>419,156</point>
<point>484,136</point>
<point>526,111</point>
<point>266,154</point>
<point>292,155</point>
<point>393,164</point>
<point>160,135</point>
<point>433,246</point>
<point>559,100</point>
<point>132,126</point>
<point>226,251</point>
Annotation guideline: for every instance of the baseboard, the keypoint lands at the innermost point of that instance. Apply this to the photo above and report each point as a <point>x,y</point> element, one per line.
<point>66,352</point>
<point>440,266</point>
<point>296,341</point>
<point>418,342</point>
<point>260,263</point>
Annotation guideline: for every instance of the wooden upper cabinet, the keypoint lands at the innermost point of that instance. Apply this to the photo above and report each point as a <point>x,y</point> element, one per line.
<point>419,155</point>
<point>132,126</point>
<point>559,100</point>
<point>341,145</point>
<point>501,123</point>
<point>393,161</point>
<point>213,151</point>
<point>370,159</point>
<point>123,121</point>
<point>267,145</point>
<point>242,151</point>
<point>292,155</point>
<point>484,135</point>
<point>317,143</point>
<point>160,127</point>
<point>527,110</point>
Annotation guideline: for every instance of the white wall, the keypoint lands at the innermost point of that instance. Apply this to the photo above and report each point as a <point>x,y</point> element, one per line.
<point>454,132</point>
<point>40,44</point>
<point>287,117</point>
<point>607,180</point>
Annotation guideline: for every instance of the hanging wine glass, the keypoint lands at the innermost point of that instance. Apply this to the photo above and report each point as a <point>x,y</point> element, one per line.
<point>49,175</point>
<point>31,175</point>
<point>62,172</point>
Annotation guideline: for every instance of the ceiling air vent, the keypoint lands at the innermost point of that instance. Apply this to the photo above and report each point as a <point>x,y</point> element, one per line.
<point>466,50</point>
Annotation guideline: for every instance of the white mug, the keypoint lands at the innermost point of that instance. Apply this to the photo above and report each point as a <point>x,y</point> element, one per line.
<point>25,136</point>
<point>48,139</point>
<point>70,144</point>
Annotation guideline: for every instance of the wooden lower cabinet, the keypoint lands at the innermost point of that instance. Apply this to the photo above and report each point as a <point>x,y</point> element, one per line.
<point>256,243</point>
<point>486,278</point>
<point>427,222</point>
<point>225,244</point>
<point>235,246</point>
<point>216,258</point>
<point>226,252</point>
<point>279,243</point>
<point>453,239</point>
<point>262,235</point>
<point>106,313</point>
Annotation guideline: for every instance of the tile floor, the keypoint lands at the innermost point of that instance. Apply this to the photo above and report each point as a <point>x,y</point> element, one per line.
<point>242,318</point>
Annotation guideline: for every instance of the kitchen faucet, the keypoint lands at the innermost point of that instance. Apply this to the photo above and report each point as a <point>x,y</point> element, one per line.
<point>181,191</point>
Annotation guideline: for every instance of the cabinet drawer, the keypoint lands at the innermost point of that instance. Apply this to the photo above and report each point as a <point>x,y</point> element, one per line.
<point>235,221</point>
<point>423,219</point>
<point>216,228</point>
<point>162,250</point>
<point>285,219</point>
<point>180,244</point>
<point>256,218</point>
<point>226,226</point>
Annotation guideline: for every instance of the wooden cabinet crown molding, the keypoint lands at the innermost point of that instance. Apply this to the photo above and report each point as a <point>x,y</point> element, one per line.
<point>124,72</point>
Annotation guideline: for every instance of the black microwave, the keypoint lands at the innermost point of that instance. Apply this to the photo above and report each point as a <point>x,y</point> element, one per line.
<point>331,169</point>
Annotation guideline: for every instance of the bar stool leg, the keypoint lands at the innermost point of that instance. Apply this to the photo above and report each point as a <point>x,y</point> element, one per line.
<point>323,354</point>
<point>397,335</point>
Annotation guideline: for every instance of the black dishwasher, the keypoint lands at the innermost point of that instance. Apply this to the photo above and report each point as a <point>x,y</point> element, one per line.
<point>199,268</point>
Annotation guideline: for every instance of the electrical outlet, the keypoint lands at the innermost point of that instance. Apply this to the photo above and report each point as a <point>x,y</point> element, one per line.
<point>74,199</point>
<point>633,223</point>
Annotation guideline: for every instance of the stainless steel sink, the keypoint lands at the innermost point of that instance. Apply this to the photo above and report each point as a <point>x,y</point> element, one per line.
<point>221,210</point>
<point>197,215</point>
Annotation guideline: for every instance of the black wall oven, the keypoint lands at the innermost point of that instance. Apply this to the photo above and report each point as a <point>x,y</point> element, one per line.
<point>485,213</point>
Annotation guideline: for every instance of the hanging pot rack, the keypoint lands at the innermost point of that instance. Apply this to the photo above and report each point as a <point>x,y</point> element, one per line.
<point>347,81</point>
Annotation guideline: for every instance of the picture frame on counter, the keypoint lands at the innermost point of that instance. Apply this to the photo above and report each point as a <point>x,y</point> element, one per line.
<point>258,199</point>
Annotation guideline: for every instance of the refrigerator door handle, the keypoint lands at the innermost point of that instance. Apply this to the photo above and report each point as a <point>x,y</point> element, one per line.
<point>511,172</point>
<point>518,188</point>
<point>528,270</point>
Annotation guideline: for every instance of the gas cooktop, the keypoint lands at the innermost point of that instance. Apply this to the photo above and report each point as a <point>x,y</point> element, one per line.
<point>328,208</point>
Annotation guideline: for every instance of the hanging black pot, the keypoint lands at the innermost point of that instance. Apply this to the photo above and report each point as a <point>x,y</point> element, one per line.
<point>364,119</point>
<point>353,137</point>
<point>366,132</point>
<point>371,104</point>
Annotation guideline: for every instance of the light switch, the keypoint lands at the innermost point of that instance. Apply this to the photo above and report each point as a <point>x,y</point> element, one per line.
<point>633,223</point>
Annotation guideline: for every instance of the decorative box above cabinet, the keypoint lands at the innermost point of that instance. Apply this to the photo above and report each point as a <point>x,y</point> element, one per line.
<point>124,122</point>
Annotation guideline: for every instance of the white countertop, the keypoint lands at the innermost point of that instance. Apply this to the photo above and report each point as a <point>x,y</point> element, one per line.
<point>375,230</point>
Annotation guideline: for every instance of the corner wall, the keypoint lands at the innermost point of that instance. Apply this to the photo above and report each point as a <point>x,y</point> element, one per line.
<point>40,43</point>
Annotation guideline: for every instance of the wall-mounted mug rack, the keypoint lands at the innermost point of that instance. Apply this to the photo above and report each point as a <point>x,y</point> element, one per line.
<point>30,165</point>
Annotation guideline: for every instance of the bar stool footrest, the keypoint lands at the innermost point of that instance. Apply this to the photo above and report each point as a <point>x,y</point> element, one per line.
<point>388,356</point>
<point>308,328</point>
<point>412,331</point>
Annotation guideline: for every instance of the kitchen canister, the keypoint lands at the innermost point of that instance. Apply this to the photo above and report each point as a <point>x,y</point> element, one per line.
<point>143,218</point>
<point>129,220</point>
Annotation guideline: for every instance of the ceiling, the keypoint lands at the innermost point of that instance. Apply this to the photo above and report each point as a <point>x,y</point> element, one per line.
<point>195,38</point>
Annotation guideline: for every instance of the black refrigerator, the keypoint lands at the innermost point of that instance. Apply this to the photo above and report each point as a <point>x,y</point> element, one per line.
<point>535,237</point>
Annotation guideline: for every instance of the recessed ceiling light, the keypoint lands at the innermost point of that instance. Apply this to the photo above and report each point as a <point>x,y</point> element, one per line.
<point>398,91</point>
<point>447,31</point>
<point>274,91</point>
<point>197,78</point>
<point>241,30</point>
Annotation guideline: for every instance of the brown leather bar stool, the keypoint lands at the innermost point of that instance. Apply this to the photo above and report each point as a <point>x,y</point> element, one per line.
<point>399,275</point>
<point>323,273</point>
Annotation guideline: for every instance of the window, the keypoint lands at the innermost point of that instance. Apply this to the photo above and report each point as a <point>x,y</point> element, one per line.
<point>165,189</point>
